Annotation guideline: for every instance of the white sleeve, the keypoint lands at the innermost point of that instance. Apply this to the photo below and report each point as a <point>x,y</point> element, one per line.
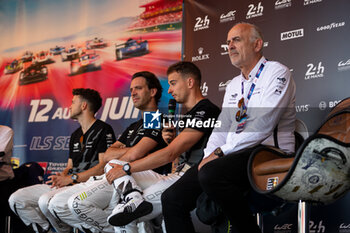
<point>263,119</point>
<point>6,139</point>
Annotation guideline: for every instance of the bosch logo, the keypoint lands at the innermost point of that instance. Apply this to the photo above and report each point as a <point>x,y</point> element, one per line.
<point>323,105</point>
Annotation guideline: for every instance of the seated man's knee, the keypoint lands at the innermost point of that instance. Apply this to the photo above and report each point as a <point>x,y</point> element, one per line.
<point>19,199</point>
<point>171,198</point>
<point>12,201</point>
<point>208,175</point>
<point>43,203</point>
<point>168,197</point>
<point>56,204</point>
<point>74,205</point>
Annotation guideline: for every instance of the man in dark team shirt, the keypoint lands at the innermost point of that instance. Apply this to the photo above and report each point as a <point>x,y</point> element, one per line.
<point>130,179</point>
<point>91,138</point>
<point>93,203</point>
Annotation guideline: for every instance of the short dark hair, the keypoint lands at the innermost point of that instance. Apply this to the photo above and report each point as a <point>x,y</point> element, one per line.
<point>186,69</point>
<point>91,96</point>
<point>152,82</point>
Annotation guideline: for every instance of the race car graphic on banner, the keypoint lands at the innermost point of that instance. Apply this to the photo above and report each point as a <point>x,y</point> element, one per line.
<point>98,45</point>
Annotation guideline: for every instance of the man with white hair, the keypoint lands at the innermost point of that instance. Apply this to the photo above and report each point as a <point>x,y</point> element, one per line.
<point>258,105</point>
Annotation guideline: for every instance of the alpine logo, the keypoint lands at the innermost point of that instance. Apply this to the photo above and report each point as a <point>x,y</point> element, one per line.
<point>255,11</point>
<point>201,56</point>
<point>344,65</point>
<point>230,16</point>
<point>201,24</point>
<point>279,4</point>
<point>308,2</point>
<point>292,34</point>
<point>314,71</point>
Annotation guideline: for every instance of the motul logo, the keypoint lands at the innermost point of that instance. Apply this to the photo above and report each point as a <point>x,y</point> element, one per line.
<point>292,34</point>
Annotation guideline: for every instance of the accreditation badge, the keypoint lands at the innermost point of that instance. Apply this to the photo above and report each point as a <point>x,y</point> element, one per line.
<point>241,125</point>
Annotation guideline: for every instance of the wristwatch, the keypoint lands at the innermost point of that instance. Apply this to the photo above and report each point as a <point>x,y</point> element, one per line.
<point>127,168</point>
<point>218,152</point>
<point>75,178</point>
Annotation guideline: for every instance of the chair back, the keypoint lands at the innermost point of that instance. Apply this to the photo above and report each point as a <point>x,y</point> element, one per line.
<point>319,172</point>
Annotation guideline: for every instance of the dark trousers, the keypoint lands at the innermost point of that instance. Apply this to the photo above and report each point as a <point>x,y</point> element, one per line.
<point>7,187</point>
<point>225,181</point>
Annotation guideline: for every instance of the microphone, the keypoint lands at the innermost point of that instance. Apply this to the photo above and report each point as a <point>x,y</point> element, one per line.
<point>171,114</point>
<point>171,108</point>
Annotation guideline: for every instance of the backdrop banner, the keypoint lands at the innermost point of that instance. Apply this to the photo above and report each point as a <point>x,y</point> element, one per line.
<point>50,47</point>
<point>311,37</point>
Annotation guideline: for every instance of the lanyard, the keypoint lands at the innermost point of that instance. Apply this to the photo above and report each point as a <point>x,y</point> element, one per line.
<point>252,87</point>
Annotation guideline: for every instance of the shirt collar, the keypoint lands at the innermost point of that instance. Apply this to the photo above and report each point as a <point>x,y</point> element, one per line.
<point>254,70</point>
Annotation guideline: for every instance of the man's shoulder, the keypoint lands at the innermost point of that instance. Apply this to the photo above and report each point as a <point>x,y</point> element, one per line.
<point>205,106</point>
<point>206,103</point>
<point>76,132</point>
<point>135,123</point>
<point>203,110</point>
<point>102,124</point>
<point>277,66</point>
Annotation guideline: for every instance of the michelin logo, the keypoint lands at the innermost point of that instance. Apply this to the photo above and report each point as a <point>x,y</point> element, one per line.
<point>151,120</point>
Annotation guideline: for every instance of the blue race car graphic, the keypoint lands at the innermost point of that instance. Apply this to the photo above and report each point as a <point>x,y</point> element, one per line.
<point>71,53</point>
<point>57,50</point>
<point>131,48</point>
